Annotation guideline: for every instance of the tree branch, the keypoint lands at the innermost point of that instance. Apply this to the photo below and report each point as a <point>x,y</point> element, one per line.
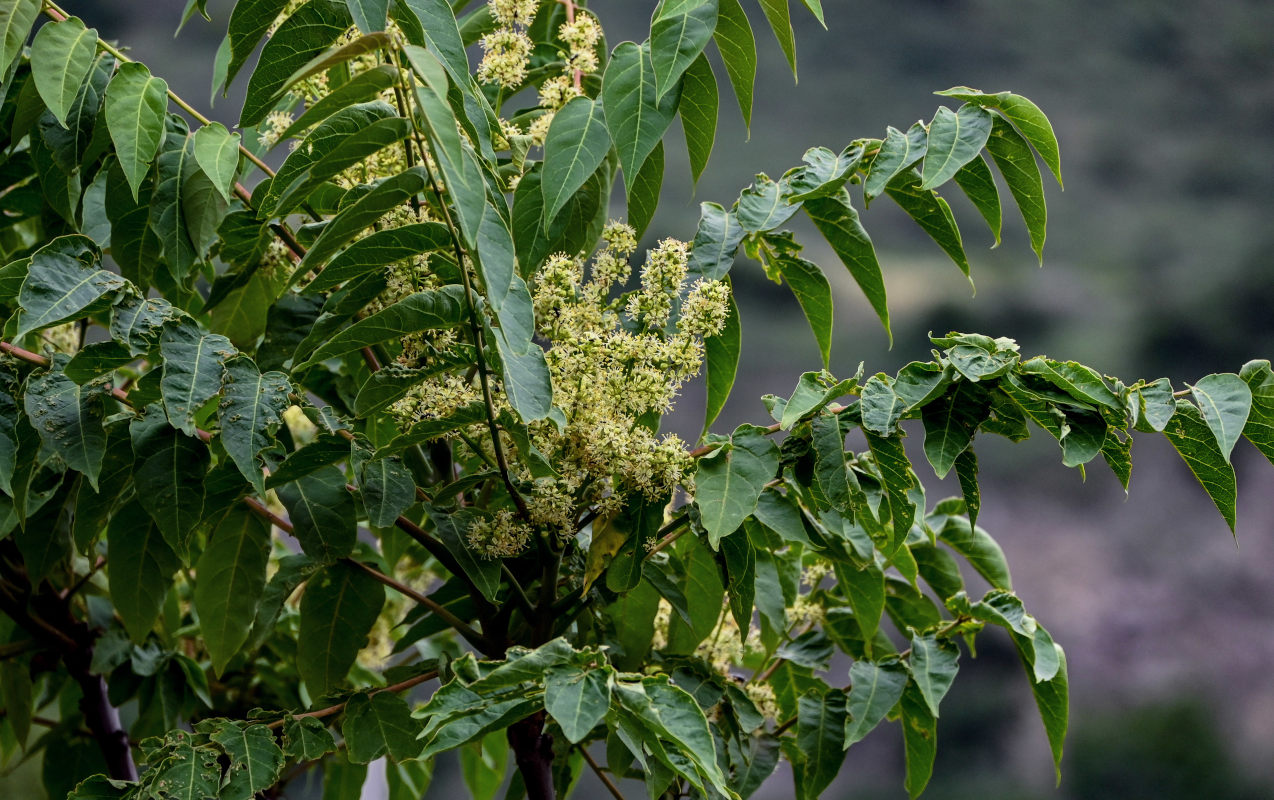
<point>339,707</point>
<point>601,773</point>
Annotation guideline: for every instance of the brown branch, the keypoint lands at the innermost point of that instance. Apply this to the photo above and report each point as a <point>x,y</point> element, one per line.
<point>339,707</point>
<point>601,773</point>
<point>473,637</point>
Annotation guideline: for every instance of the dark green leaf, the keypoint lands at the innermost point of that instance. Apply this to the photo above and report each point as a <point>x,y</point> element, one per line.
<point>193,366</point>
<point>779,16</point>
<point>16,19</point>
<point>699,110</point>
<point>175,168</point>
<point>1259,429</point>
<point>933,215</point>
<point>920,740</point>
<point>306,738</point>
<point>63,283</point>
<point>1052,697</point>
<point>68,418</point>
<point>339,608</point>
<point>880,406</point>
<point>678,35</point>
<point>429,310</point>
<point>764,206</point>
<point>250,413</point>
<point>865,589</point>
<point>323,513</point>
<point>169,476</point>
<point>142,568</point>
<point>452,529</point>
<point>249,21</point>
<point>230,579</point>
<point>837,220</point>
<point>635,120</point>
<point>577,699</point>
<point>378,250</point>
<point>933,667</point>
<point>979,549</point>
<point>900,482</point>
<point>715,242</point>
<point>1017,164</point>
<point>1197,446</point>
<point>966,467</point>
<point>737,45</point>
<point>1080,382</point>
<point>643,194</point>
<point>950,424</point>
<point>897,153</point>
<point>721,359</point>
<point>377,725</point>
<point>814,293</point>
<point>217,153</point>
<point>977,183</point>
<point>387,489</point>
<point>820,737</point>
<point>308,31</point>
<point>1025,115</point>
<point>255,759</point>
<point>359,89</point>
<point>955,139</point>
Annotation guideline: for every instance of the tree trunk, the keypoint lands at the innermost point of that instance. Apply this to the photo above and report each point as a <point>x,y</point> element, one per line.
<point>533,751</point>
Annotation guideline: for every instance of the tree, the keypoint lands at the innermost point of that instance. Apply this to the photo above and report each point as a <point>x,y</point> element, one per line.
<point>272,457</point>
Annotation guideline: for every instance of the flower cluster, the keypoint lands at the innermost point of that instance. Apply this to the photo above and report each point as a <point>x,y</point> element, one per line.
<point>500,536</point>
<point>505,56</point>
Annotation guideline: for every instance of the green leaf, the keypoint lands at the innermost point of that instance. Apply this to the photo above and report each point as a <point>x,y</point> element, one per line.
<point>933,667</point>
<point>833,471</point>
<point>97,359</point>
<point>678,35</point>
<point>387,489</point>
<point>694,574</point>
<point>920,740</point>
<point>955,139</point>
<point>17,695</point>
<point>442,35</point>
<point>874,690</point>
<point>483,764</point>
<point>192,370</point>
<point>699,108</point>
<point>1259,429</point>
<point>354,218</point>
<point>217,153</point>
<point>68,418</point>
<point>1080,382</point>
<point>1025,115</point>
<point>977,183</point>
<point>1052,698</point>
<point>1013,156</point>
<point>824,172</point>
<point>721,360</point>
<point>169,475</point>
<point>966,467</point>
<point>763,206</point>
<point>61,57</point>
<point>727,485</point>
<point>880,406</point>
<point>1197,445</point>
<point>379,249</point>
<point>189,773</point>
<point>933,215</point>
<point>575,147</point>
<point>63,283</point>
<point>16,19</point>
<point>136,103</point>
<point>837,220</point>
<point>429,310</point>
<point>900,482</point>
<point>897,153</point>
<point>979,549</point>
<point>230,579</point>
<point>308,31</point>
<point>950,424</point>
<point>1225,401</point>
<point>342,140</point>
<point>306,738</point>
<point>250,412</point>
<point>369,15</point>
<point>739,560</point>
<point>452,529</point>
<point>779,16</point>
<point>339,608</point>
<point>635,120</point>
<point>737,46</point>
<point>175,168</point>
<point>323,513</point>
<point>362,87</point>
<point>142,568</point>
<point>138,321</point>
<point>820,737</point>
<point>577,699</point>
<point>249,21</point>
<point>527,383</point>
<point>864,588</point>
<point>716,242</point>
<point>377,725</point>
<point>814,293</point>
<point>643,194</point>
<point>255,759</point>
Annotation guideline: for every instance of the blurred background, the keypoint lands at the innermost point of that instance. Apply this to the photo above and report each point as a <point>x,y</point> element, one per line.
<point>1158,263</point>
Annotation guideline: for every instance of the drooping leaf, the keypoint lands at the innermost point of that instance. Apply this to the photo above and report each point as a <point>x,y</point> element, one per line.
<point>1259,429</point>
<point>136,103</point>
<point>1197,445</point>
<point>175,170</point>
<point>1025,115</point>
<point>699,108</point>
<point>920,739</point>
<point>61,57</point>
<point>721,363</point>
<point>977,183</point>
<point>339,608</point>
<point>820,737</point>
<point>779,15</point>
<point>306,738</point>
<point>814,293</point>
<point>643,195</point>
<point>142,568</point>
<point>16,19</point>
<point>729,484</point>
<point>169,475</point>
<point>255,759</point>
<point>737,46</point>
<point>933,215</point>
<point>716,242</point>
<point>678,34</point>
<point>1052,698</point>
<point>933,667</point>
<point>323,513</point>
<point>979,549</point>
<point>249,21</point>
<point>897,154</point>
<point>838,221</point>
<point>230,579</point>
<point>387,489</point>
<point>764,205</point>
<point>950,424</point>
<point>1013,156</point>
